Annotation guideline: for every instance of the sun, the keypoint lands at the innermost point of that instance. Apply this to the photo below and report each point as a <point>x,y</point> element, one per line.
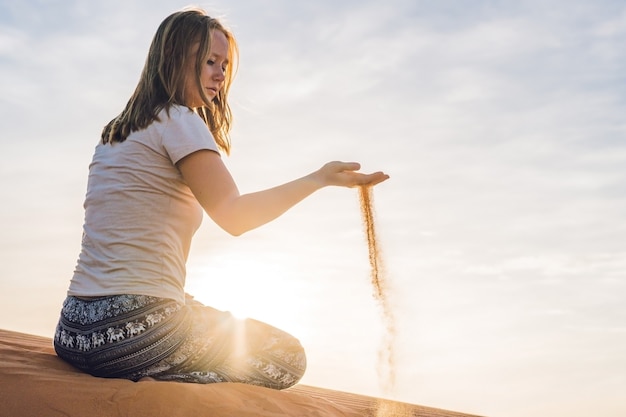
<point>250,286</point>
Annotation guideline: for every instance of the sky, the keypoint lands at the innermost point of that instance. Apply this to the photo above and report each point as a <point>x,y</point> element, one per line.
<point>501,124</point>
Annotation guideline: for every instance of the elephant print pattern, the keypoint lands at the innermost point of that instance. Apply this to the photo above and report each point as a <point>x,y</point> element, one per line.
<point>134,336</point>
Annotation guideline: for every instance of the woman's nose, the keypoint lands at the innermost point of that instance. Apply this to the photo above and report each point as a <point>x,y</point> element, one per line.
<point>219,75</point>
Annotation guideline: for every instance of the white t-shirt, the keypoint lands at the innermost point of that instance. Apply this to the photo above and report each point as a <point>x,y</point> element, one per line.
<point>140,215</point>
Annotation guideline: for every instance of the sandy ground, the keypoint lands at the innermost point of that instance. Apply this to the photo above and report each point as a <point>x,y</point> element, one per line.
<point>35,382</point>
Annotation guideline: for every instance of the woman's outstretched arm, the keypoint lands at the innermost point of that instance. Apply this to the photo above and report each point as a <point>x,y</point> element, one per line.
<point>213,186</point>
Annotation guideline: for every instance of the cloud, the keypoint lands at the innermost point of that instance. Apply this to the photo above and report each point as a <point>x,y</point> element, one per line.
<point>501,124</point>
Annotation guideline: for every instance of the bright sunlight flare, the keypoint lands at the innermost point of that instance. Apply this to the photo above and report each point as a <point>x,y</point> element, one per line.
<point>248,285</point>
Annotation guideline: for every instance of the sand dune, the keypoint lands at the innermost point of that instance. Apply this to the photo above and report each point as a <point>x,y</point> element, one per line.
<point>34,382</point>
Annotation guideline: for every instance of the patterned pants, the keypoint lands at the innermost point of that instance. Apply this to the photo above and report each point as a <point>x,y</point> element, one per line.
<point>136,336</point>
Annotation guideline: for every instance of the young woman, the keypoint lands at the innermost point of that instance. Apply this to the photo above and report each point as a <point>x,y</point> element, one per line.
<point>157,166</point>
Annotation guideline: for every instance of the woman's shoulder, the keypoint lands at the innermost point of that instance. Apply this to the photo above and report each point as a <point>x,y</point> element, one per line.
<point>177,112</point>
<point>177,118</point>
<point>182,126</point>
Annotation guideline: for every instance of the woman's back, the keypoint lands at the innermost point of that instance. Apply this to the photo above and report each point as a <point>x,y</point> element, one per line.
<point>140,216</point>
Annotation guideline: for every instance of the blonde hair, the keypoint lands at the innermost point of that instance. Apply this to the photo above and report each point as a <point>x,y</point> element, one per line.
<point>162,80</point>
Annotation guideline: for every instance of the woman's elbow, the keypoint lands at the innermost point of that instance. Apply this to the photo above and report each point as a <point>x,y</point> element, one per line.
<point>233,231</point>
<point>233,228</point>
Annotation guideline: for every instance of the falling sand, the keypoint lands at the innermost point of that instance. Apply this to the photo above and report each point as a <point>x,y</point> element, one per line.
<point>386,354</point>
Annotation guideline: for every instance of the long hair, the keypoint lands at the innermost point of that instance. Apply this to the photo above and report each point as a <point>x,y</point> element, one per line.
<point>162,80</point>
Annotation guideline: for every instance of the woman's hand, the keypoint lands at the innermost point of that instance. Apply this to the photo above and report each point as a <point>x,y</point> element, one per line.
<point>344,174</point>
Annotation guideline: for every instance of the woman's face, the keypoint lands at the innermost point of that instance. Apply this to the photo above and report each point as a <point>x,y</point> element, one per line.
<point>211,73</point>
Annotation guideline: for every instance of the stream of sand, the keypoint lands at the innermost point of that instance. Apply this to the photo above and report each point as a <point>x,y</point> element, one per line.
<point>386,355</point>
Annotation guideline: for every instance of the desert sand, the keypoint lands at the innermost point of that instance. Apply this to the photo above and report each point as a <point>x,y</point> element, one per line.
<point>34,382</point>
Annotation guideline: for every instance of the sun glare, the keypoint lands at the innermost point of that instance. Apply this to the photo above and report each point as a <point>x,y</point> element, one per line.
<point>252,288</point>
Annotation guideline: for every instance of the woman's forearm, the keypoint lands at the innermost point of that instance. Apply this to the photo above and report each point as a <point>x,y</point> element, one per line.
<point>249,211</point>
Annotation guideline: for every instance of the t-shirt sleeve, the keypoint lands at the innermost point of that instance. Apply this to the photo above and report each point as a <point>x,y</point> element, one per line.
<point>185,133</point>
